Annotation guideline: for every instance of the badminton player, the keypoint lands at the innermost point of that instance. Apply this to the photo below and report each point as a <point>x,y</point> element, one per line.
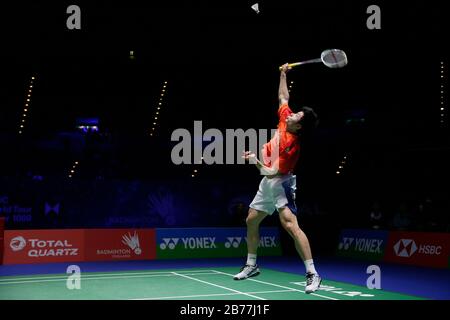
<point>277,188</point>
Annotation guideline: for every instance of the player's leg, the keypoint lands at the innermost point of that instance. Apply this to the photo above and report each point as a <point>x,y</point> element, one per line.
<point>253,221</point>
<point>261,206</point>
<point>250,269</point>
<point>284,195</point>
<point>290,224</point>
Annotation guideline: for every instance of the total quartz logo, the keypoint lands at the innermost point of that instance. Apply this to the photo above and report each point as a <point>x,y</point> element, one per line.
<point>43,248</point>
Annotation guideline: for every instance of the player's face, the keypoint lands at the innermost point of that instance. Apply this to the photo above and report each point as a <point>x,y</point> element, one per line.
<point>293,121</point>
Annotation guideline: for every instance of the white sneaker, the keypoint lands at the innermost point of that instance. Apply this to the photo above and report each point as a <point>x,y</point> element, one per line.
<point>313,282</point>
<point>247,271</point>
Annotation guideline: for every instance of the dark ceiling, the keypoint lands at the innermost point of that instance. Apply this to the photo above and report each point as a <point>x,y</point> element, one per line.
<point>221,61</point>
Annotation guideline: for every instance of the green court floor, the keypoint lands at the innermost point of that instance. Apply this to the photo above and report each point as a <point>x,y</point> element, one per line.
<point>190,284</point>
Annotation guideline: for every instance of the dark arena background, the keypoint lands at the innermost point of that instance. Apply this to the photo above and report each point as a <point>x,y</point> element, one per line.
<point>92,205</point>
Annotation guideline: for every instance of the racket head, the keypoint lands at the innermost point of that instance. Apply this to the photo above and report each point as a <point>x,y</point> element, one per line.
<point>334,58</point>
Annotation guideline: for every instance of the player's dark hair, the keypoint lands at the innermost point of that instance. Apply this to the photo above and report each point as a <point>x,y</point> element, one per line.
<point>309,121</point>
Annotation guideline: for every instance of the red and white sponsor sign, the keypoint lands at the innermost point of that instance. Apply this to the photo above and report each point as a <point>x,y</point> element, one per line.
<point>120,244</point>
<point>418,248</point>
<point>38,246</point>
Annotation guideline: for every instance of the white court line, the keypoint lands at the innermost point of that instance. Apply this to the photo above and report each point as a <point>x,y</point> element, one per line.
<point>101,278</point>
<point>216,285</point>
<point>103,274</point>
<point>276,285</point>
<point>211,295</point>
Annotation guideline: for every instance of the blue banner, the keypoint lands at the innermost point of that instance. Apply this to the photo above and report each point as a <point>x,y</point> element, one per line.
<point>213,242</point>
<point>360,243</point>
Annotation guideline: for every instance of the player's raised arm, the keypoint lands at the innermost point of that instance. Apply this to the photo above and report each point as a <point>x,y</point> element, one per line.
<point>283,93</point>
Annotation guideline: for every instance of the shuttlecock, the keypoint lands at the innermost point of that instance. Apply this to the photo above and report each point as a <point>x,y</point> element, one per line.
<point>255,7</point>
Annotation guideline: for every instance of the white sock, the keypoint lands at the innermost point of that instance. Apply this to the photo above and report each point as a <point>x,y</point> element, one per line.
<point>309,265</point>
<point>251,259</point>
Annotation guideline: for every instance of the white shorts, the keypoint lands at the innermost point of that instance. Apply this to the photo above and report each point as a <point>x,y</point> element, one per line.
<point>275,193</point>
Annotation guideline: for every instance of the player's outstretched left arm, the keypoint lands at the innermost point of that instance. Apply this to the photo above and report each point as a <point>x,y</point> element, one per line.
<point>265,170</point>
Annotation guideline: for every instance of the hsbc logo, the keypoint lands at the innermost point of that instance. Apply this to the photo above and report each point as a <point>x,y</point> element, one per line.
<point>233,242</point>
<point>407,247</point>
<point>429,249</point>
<point>17,243</point>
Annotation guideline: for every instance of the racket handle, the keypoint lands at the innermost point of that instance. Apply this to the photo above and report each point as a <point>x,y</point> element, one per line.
<point>290,65</point>
<point>295,64</point>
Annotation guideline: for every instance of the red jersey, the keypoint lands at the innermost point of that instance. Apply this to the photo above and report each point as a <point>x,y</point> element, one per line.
<point>289,147</point>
